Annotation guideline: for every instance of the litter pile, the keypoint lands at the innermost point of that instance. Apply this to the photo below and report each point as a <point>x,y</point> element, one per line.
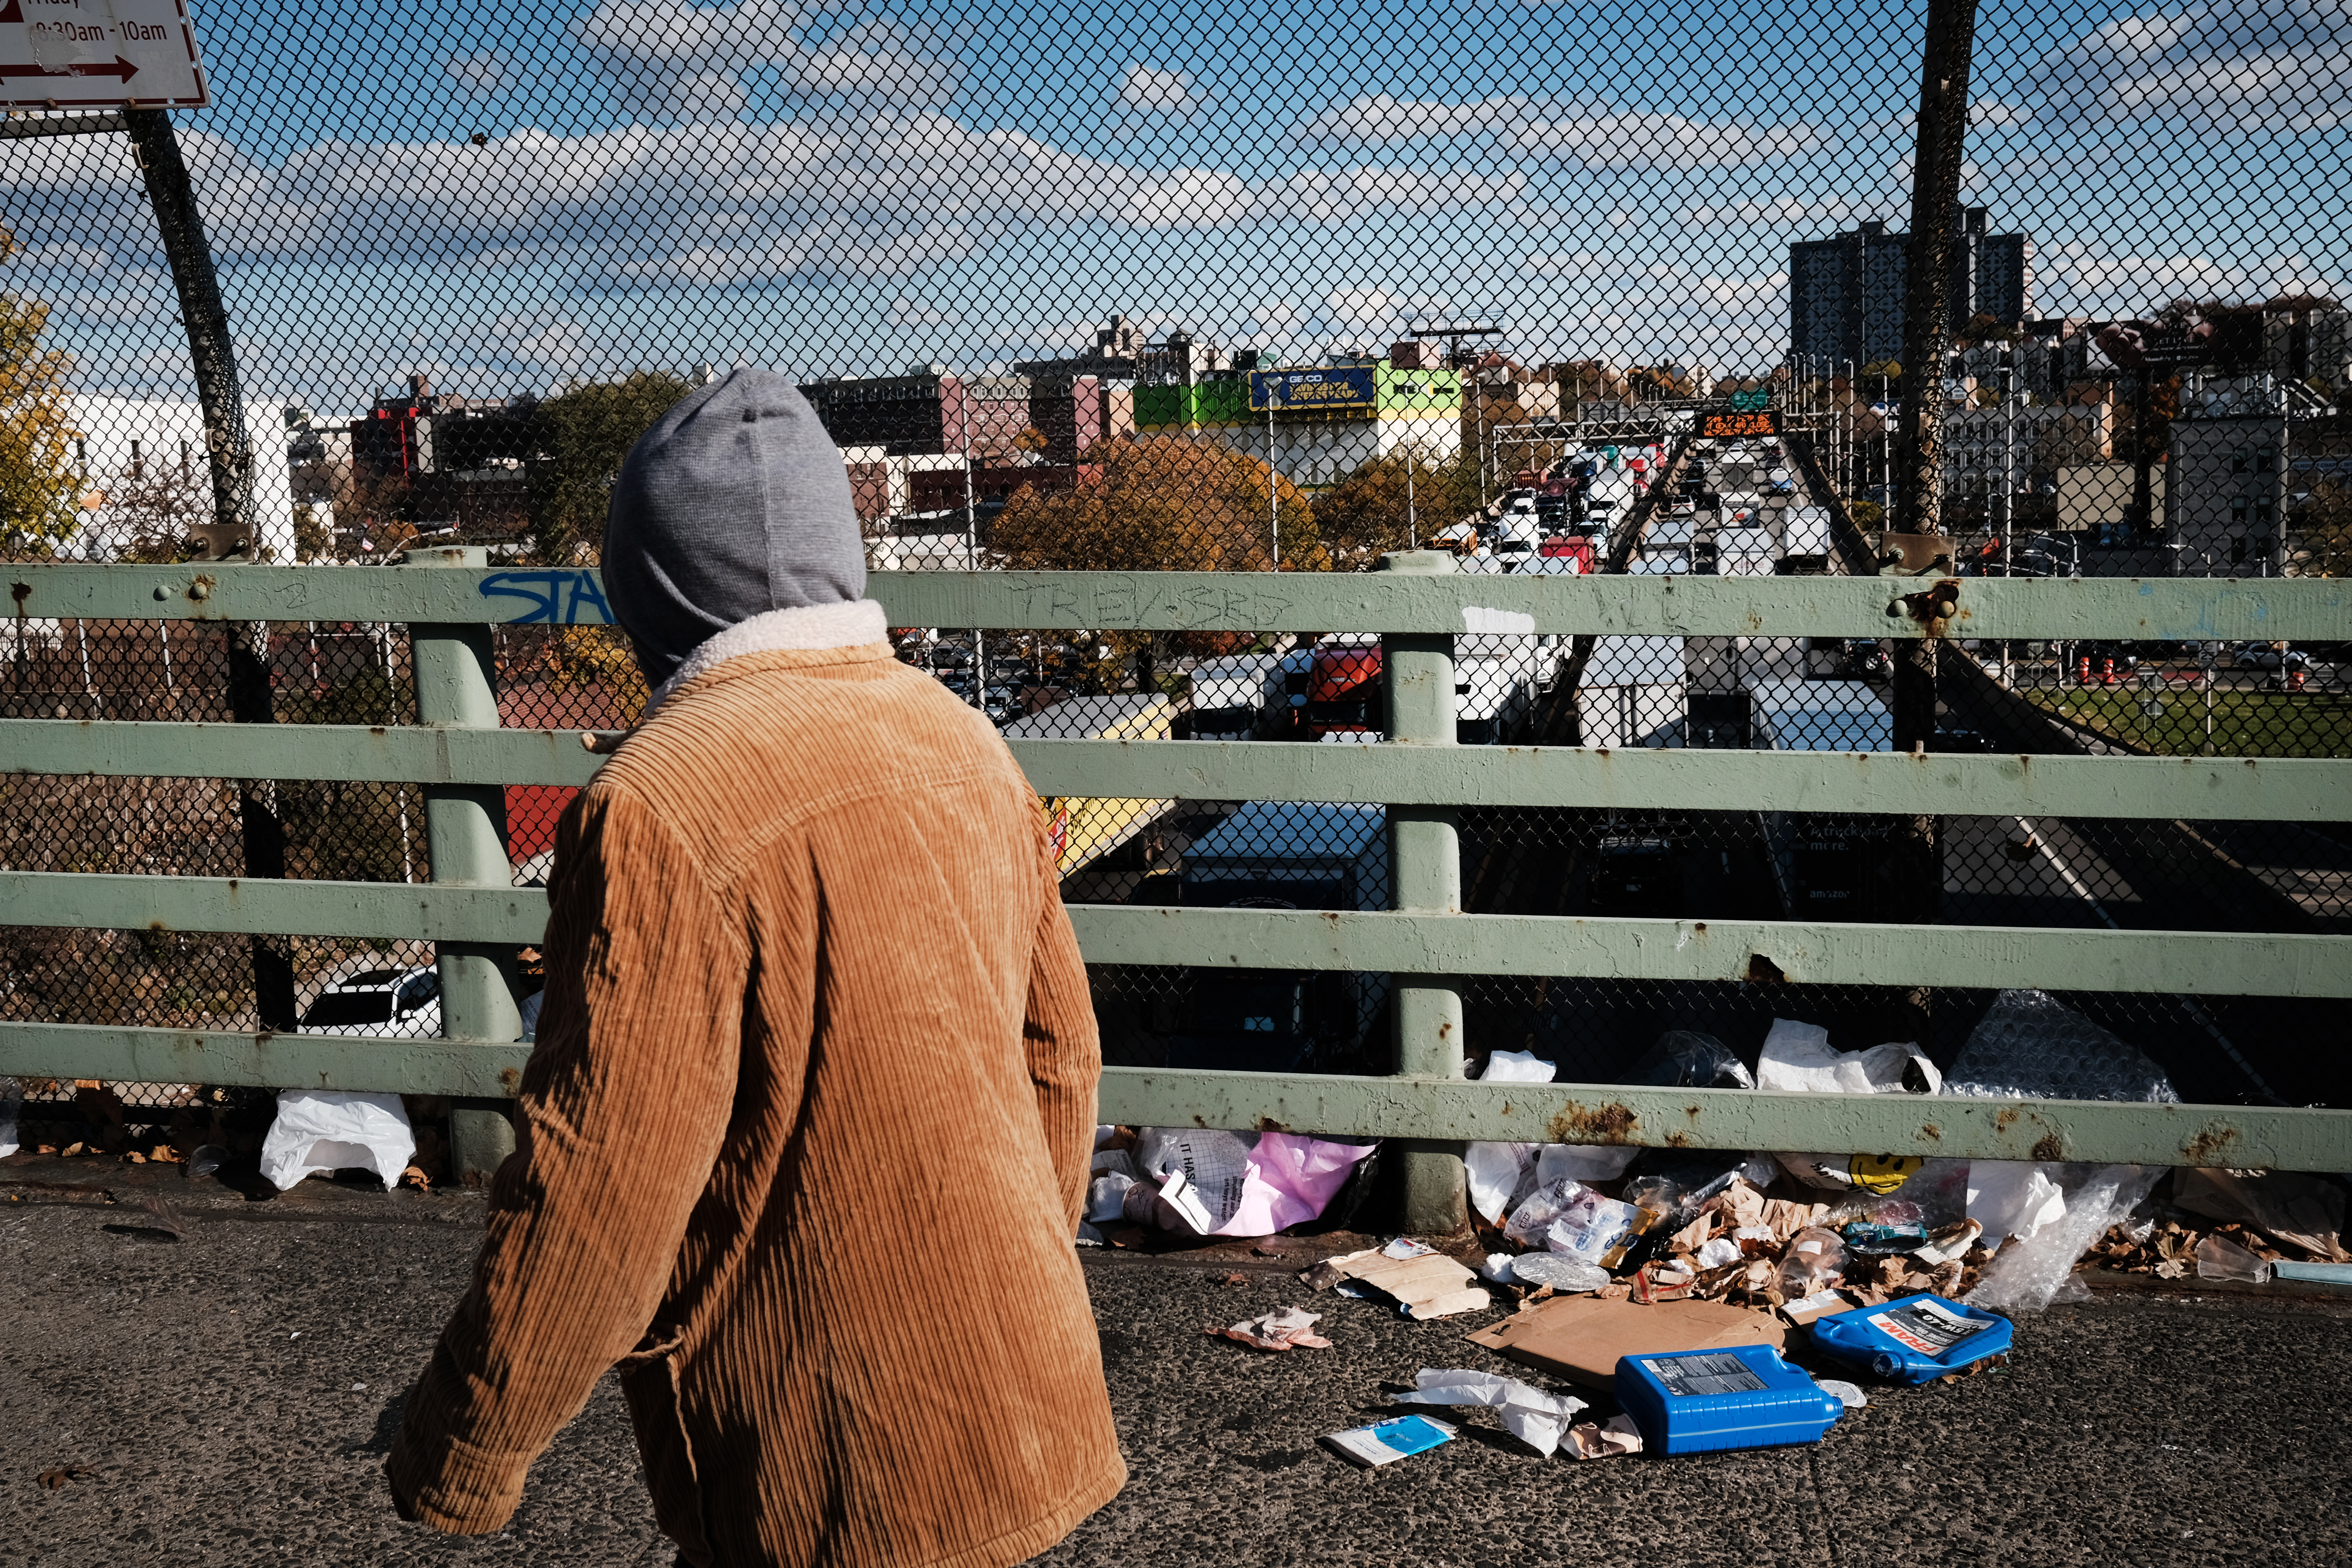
<point>1673,1282</point>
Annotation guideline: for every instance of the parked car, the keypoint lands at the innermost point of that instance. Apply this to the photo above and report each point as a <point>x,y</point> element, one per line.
<point>406,1000</point>
<point>2268,655</point>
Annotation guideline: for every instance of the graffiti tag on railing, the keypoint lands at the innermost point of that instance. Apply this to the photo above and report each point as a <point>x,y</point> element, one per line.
<point>1144,599</point>
<point>556,597</point>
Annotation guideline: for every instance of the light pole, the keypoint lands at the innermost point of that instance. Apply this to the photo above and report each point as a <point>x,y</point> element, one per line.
<point>971,543</point>
<point>1273,506</point>
<point>1412,518</point>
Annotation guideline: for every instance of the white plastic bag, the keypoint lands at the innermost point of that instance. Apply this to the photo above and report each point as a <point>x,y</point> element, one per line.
<point>333,1130</point>
<point>1583,1162</point>
<point>1501,1174</point>
<point>1533,1416</point>
<point>12,1098</point>
<point>2013,1197</point>
<point>1798,1056</point>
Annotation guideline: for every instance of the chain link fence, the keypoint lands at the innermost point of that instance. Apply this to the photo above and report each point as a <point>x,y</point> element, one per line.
<point>1562,291</point>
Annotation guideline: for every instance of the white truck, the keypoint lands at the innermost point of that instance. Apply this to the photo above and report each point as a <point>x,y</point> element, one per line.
<point>1805,536</point>
<point>1238,698</point>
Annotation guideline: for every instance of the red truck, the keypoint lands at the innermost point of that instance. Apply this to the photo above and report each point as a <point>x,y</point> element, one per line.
<point>1336,693</point>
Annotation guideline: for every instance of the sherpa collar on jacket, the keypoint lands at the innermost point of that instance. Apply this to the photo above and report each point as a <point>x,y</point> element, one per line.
<point>808,628</point>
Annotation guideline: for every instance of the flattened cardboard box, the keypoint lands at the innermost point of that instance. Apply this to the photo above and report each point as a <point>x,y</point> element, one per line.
<point>1582,1337</point>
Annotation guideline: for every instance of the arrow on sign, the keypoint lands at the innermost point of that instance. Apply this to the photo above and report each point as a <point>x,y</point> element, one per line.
<point>121,67</point>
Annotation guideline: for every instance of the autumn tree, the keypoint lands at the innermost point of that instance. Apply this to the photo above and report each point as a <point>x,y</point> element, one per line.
<point>153,508</point>
<point>2323,527</point>
<point>38,489</point>
<point>583,435</point>
<point>1160,503</point>
<point>1392,502</point>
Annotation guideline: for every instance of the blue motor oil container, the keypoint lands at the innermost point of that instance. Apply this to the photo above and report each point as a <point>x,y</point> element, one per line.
<point>1915,1339</point>
<point>1746,1397</point>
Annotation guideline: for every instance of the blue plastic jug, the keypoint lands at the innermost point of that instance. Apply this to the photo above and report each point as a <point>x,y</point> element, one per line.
<point>1746,1397</point>
<point>1916,1339</point>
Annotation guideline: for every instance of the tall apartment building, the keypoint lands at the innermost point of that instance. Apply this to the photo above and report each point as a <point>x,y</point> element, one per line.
<point>1845,293</point>
<point>2225,495</point>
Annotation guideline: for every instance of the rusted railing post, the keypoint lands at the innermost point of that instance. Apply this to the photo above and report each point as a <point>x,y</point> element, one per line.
<point>1426,876</point>
<point>467,827</point>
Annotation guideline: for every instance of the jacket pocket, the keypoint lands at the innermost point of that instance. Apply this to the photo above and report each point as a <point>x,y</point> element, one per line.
<point>649,1383</point>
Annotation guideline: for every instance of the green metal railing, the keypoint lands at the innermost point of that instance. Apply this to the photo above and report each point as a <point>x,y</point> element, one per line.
<point>460,758</point>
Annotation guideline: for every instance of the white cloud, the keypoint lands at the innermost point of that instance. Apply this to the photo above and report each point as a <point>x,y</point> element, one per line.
<point>1579,131</point>
<point>1787,211</point>
<point>2083,277</point>
<point>546,340</point>
<point>874,194</point>
<point>1371,316</point>
<point>904,312</point>
<point>2230,65</point>
<point>483,77</point>
<point>1666,141</point>
<point>1146,91</point>
<point>668,61</point>
<point>1273,318</point>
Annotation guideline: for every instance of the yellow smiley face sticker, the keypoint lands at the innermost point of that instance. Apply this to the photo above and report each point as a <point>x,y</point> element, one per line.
<point>1881,1172</point>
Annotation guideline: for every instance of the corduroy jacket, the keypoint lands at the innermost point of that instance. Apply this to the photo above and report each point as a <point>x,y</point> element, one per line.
<point>803,1138</point>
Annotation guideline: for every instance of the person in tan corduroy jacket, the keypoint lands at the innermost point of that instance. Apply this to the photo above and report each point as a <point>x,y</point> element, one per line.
<point>806,1132</point>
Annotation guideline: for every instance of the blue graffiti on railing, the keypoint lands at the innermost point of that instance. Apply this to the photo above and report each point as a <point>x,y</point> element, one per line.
<point>555,596</point>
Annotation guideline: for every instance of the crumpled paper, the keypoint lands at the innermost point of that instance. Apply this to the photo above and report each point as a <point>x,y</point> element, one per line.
<point>1587,1440</point>
<point>1284,1329</point>
<point>1534,1417</point>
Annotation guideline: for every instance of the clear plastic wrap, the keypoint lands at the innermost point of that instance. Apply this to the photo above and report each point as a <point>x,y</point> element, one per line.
<point>2030,1045</point>
<point>1684,1058</point>
<point>1567,1216</point>
<point>2219,1258</point>
<point>2026,1276</point>
<point>1815,1259</point>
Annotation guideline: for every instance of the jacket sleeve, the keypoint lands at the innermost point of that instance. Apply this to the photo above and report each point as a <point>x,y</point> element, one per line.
<point>1065,1051</point>
<point>623,1108</point>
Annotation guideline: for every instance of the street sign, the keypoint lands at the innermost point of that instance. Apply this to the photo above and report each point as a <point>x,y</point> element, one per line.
<point>98,54</point>
<point>1737,427</point>
<point>1751,402</point>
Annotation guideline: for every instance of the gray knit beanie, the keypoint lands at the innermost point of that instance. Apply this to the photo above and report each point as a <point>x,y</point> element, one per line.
<point>735,503</point>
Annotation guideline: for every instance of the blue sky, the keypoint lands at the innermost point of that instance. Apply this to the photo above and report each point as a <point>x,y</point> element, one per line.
<point>852,188</point>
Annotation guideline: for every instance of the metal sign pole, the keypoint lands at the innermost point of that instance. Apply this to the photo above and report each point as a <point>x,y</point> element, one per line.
<point>228,451</point>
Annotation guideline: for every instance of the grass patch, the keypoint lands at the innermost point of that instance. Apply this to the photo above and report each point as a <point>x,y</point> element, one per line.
<point>2171,723</point>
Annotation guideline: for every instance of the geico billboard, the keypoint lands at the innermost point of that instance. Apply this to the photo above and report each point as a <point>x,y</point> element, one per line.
<point>1309,391</point>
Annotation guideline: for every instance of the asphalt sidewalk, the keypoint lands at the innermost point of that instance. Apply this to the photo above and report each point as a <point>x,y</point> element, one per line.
<point>227,1397</point>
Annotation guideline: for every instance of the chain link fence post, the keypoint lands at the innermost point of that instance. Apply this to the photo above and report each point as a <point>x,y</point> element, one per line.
<point>466,825</point>
<point>1426,875</point>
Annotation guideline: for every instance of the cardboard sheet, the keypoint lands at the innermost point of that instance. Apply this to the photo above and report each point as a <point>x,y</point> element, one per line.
<point>1582,1337</point>
<point>1426,1285</point>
